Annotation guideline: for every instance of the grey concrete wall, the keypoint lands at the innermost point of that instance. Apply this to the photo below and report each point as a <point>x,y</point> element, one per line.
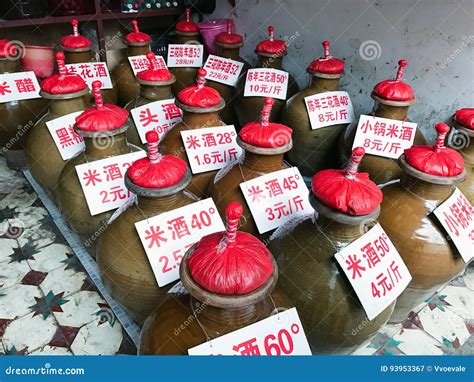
<point>435,36</point>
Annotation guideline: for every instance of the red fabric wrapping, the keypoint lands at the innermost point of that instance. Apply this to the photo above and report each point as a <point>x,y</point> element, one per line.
<point>75,41</point>
<point>200,95</point>
<point>436,159</point>
<point>264,133</point>
<point>154,74</point>
<point>327,64</point>
<point>228,37</point>
<point>395,90</point>
<point>187,26</point>
<point>230,262</point>
<point>136,36</point>
<point>62,83</point>
<point>7,49</point>
<point>466,117</point>
<point>271,46</point>
<point>347,190</point>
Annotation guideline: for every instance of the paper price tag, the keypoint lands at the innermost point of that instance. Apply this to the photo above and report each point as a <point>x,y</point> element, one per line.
<point>141,63</point>
<point>266,83</point>
<point>90,72</point>
<point>223,70</point>
<point>185,55</point>
<point>375,270</point>
<point>65,138</point>
<point>18,86</point>
<point>330,108</point>
<point>167,237</point>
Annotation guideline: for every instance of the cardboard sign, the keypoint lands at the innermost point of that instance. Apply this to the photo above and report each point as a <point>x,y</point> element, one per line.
<point>375,270</point>
<point>281,334</point>
<point>160,116</point>
<point>330,108</point>
<point>18,86</point>
<point>141,63</point>
<point>275,198</point>
<point>384,137</point>
<point>102,181</point>
<point>90,72</point>
<point>211,148</point>
<point>223,70</point>
<point>69,143</point>
<point>167,237</point>
<point>262,82</point>
<point>185,55</point>
<point>456,215</point>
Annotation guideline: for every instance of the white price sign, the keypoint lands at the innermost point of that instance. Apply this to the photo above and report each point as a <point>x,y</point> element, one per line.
<point>275,198</point>
<point>456,215</point>
<point>102,181</point>
<point>375,270</point>
<point>211,148</point>
<point>65,138</point>
<point>18,86</point>
<point>185,55</point>
<point>330,108</point>
<point>160,116</point>
<point>167,237</point>
<point>90,72</point>
<point>141,63</point>
<point>266,83</point>
<point>384,137</point>
<point>281,334</point>
<point>223,70</point>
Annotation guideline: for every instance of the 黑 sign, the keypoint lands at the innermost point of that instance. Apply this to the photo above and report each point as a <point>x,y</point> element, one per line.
<point>68,142</point>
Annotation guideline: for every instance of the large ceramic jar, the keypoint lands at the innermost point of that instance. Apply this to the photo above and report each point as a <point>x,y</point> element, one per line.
<point>429,176</point>
<point>347,204</point>
<point>219,298</point>
<point>159,182</point>
<point>155,85</point>
<point>187,33</point>
<point>104,129</point>
<point>77,50</point>
<point>264,144</point>
<point>228,45</point>
<point>66,96</point>
<point>128,88</point>
<point>392,100</point>
<point>314,150</point>
<point>201,105</point>
<point>460,138</point>
<point>270,55</point>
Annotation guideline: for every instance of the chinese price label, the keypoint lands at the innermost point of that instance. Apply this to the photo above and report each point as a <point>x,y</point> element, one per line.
<point>18,86</point>
<point>211,148</point>
<point>384,137</point>
<point>456,215</point>
<point>223,70</point>
<point>281,334</point>
<point>275,198</point>
<point>266,83</point>
<point>159,116</point>
<point>375,270</point>
<point>167,237</point>
<point>67,141</point>
<point>185,55</point>
<point>141,63</point>
<point>90,72</point>
<point>103,184</point>
<point>330,108</point>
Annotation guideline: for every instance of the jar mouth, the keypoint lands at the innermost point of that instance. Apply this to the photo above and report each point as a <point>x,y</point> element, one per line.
<point>200,110</point>
<point>157,83</point>
<point>137,44</point>
<point>76,50</point>
<point>390,102</point>
<point>324,75</point>
<point>187,34</point>
<point>434,179</point>
<point>265,150</point>
<point>229,46</point>
<point>221,300</point>
<point>102,133</point>
<point>158,192</point>
<point>272,55</point>
<point>78,94</point>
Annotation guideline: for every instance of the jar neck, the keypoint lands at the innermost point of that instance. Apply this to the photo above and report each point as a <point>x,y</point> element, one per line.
<point>102,147</point>
<point>270,62</point>
<point>337,230</point>
<point>156,93</point>
<point>138,50</point>
<point>77,57</point>
<point>186,39</point>
<point>322,85</point>
<point>200,120</point>
<point>426,190</point>
<point>263,163</point>
<point>164,203</point>
<point>231,53</point>
<point>62,107</point>
<point>391,112</point>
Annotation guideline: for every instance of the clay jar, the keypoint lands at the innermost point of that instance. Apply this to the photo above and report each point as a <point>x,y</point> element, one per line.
<point>128,88</point>
<point>314,150</point>
<point>228,45</point>
<point>264,144</point>
<point>408,220</point>
<point>155,85</point>
<point>123,263</point>
<point>270,55</point>
<point>66,96</point>
<point>100,143</point>
<point>201,105</point>
<point>460,138</point>
<point>310,276</point>
<point>209,310</point>
<point>392,100</point>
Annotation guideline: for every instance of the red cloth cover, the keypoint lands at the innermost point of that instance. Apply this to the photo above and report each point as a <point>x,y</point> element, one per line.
<point>436,159</point>
<point>271,46</point>
<point>187,26</point>
<point>230,262</point>
<point>62,83</point>
<point>347,190</point>
<point>199,95</point>
<point>136,36</point>
<point>75,41</point>
<point>466,117</point>
<point>327,64</point>
<point>229,37</point>
<point>154,74</point>
<point>395,90</point>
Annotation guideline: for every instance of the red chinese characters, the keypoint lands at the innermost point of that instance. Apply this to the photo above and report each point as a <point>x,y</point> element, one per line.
<point>185,55</point>
<point>90,72</point>
<point>266,83</point>
<point>329,108</point>
<point>18,86</point>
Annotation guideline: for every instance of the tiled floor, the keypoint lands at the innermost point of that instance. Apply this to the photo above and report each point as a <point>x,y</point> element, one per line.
<point>48,305</point>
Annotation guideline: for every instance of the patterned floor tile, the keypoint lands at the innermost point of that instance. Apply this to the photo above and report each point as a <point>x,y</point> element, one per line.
<point>49,258</point>
<point>469,277</point>
<point>414,341</point>
<point>18,199</point>
<point>460,301</point>
<point>51,350</point>
<point>12,273</point>
<point>101,339</point>
<point>66,281</point>
<point>83,307</point>
<point>28,216</point>
<point>6,249</point>
<point>37,237</point>
<point>16,301</point>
